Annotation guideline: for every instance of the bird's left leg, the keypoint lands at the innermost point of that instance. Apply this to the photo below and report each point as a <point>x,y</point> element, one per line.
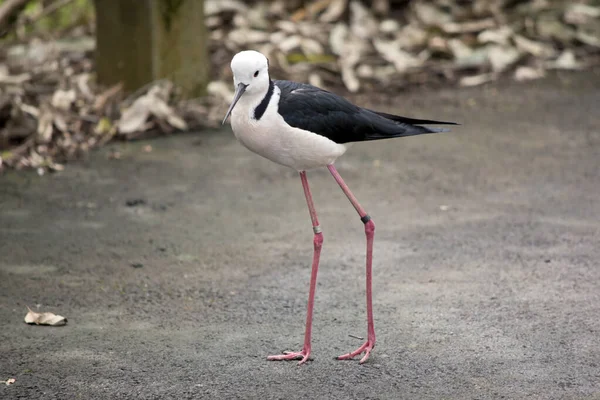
<point>318,244</point>
<point>370,234</point>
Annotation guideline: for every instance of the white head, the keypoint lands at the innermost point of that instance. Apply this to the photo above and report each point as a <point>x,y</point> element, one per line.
<point>250,75</point>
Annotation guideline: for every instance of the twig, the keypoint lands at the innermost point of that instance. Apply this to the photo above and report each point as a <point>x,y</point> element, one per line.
<point>356,337</point>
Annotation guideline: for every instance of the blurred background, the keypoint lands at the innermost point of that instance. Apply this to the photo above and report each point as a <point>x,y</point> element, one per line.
<point>75,75</point>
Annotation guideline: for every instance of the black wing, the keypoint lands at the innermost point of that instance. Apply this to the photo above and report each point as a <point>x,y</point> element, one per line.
<point>307,107</point>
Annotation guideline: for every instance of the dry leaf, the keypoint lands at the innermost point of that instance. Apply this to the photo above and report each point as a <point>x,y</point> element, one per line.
<point>430,15</point>
<point>362,22</point>
<point>337,38</point>
<point>244,36</point>
<point>411,36</point>
<point>476,79</point>
<point>589,34</point>
<point>534,48</point>
<point>499,36</point>
<point>84,87</point>
<point>459,49</point>
<point>391,52</point>
<point>528,73</point>
<point>134,118</point>
<point>62,99</point>
<point>579,13</point>
<point>334,11</point>
<point>15,79</point>
<point>45,126</point>
<point>46,318</point>
<point>162,110</point>
<point>212,7</point>
<point>467,27</point>
<point>566,60</point>
<point>502,57</point>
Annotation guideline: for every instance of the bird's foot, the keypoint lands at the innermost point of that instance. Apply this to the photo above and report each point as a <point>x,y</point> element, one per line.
<point>366,348</point>
<point>292,355</point>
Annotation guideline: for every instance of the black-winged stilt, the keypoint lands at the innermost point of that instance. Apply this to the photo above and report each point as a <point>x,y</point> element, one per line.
<point>304,127</point>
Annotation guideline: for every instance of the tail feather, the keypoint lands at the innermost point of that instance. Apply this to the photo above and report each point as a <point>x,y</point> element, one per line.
<point>413,121</point>
<point>404,131</point>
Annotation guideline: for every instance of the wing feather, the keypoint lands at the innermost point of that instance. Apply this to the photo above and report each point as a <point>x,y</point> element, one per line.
<point>307,107</point>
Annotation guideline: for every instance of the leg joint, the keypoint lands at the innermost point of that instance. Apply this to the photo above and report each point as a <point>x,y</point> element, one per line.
<point>318,240</point>
<point>369,227</point>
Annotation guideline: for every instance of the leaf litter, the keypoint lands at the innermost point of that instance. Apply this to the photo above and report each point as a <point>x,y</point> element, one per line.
<point>51,109</point>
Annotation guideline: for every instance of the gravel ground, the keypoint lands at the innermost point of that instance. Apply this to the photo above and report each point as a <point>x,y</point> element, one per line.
<point>182,268</point>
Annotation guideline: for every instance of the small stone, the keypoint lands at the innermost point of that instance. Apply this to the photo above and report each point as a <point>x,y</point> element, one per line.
<point>135,202</point>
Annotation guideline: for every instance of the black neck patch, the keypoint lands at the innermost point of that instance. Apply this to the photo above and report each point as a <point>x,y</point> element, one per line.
<point>262,107</point>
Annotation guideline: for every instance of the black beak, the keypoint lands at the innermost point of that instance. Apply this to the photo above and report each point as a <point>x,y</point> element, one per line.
<point>239,91</point>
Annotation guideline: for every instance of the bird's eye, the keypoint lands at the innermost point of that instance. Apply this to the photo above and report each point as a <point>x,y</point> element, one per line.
<point>256,74</point>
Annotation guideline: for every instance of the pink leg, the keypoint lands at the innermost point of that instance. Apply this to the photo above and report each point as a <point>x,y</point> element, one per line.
<point>318,244</point>
<point>370,233</point>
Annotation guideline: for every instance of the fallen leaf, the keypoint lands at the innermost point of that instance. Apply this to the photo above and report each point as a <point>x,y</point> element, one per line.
<point>498,36</point>
<point>134,118</point>
<point>459,49</point>
<point>245,36</point>
<point>362,22</point>
<point>528,73</point>
<point>476,79</point>
<point>430,15</point>
<point>502,57</point>
<point>589,34</point>
<point>46,318</point>
<point>45,126</point>
<point>309,11</point>
<point>216,7</point>
<point>550,27</point>
<point>579,13</point>
<point>15,79</point>
<point>534,48</point>
<point>391,52</point>
<point>62,99</point>
<point>334,11</point>
<point>566,60</point>
<point>162,110</point>
<point>103,126</point>
<point>337,38</point>
<point>411,36</point>
<point>84,87</point>
<point>468,27</point>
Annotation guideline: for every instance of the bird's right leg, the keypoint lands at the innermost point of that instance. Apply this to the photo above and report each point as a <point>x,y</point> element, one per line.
<point>318,244</point>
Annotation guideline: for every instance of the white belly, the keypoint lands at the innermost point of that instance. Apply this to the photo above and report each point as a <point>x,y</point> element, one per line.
<point>272,138</point>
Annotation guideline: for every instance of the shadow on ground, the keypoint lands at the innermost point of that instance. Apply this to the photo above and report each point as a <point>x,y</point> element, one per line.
<point>182,268</point>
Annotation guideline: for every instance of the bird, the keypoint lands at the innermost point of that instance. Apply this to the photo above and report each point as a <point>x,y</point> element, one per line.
<point>304,127</point>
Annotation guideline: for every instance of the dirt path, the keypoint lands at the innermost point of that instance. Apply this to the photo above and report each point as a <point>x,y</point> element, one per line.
<point>182,268</point>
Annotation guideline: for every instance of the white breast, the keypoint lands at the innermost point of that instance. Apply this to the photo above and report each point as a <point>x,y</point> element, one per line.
<point>272,138</point>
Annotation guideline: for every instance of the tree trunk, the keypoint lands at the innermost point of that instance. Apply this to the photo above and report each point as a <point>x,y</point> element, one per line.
<point>140,41</point>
